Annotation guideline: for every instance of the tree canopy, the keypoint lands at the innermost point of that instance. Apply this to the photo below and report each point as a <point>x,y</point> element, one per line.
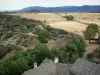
<point>76,48</point>
<point>43,36</point>
<point>91,31</point>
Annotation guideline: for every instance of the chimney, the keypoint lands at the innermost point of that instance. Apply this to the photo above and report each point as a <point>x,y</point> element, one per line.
<point>56,60</point>
<point>35,65</point>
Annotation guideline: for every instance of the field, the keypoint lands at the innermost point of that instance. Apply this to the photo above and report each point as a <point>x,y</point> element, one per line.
<point>57,21</point>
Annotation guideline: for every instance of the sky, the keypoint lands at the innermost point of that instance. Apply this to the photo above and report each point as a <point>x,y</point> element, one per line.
<point>19,4</point>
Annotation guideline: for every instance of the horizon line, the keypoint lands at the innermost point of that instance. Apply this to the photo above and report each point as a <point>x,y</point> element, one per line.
<point>44,7</point>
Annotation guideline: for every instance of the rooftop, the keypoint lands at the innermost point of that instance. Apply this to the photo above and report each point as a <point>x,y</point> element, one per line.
<point>80,67</point>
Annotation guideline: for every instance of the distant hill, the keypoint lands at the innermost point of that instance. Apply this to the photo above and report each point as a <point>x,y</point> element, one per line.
<point>85,8</point>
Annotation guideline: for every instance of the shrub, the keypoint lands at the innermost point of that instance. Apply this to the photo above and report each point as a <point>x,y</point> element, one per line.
<point>17,24</point>
<point>64,56</point>
<point>3,51</point>
<point>42,52</point>
<point>98,18</point>
<point>55,52</point>
<point>76,48</point>
<point>94,56</point>
<point>8,35</point>
<point>48,27</point>
<point>70,17</point>
<point>20,62</point>
<point>14,67</point>
<point>43,36</point>
<point>90,56</point>
<point>97,53</point>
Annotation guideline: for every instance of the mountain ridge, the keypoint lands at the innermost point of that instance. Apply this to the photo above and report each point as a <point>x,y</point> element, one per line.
<point>85,8</point>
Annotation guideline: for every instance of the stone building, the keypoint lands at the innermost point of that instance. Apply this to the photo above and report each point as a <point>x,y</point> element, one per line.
<point>80,67</point>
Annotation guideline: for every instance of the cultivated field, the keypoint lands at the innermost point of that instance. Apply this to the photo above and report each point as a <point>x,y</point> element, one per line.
<point>57,21</point>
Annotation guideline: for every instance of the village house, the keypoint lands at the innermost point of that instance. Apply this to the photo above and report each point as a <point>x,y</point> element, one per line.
<point>80,67</point>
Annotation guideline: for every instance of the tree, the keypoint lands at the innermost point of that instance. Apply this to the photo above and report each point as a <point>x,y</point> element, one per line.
<point>12,67</point>
<point>17,64</point>
<point>76,48</point>
<point>42,52</point>
<point>91,31</point>
<point>43,36</point>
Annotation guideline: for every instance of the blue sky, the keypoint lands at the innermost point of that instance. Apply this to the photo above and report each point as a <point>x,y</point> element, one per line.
<point>19,4</point>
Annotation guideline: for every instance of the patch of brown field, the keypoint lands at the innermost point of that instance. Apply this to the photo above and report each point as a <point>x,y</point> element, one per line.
<point>69,26</point>
<point>82,17</point>
<point>85,17</point>
<point>41,16</point>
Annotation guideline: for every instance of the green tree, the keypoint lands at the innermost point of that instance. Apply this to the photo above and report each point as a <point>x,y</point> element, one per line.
<point>76,48</point>
<point>42,52</point>
<point>43,36</point>
<point>14,67</point>
<point>91,31</point>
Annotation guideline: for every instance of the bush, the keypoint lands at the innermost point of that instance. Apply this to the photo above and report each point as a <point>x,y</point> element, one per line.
<point>48,27</point>
<point>14,67</point>
<point>43,36</point>
<point>8,35</point>
<point>94,56</point>
<point>98,18</point>
<point>90,56</point>
<point>55,52</point>
<point>97,53</point>
<point>76,48</point>
<point>3,51</point>
<point>17,24</point>
<point>19,63</point>
<point>70,17</point>
<point>42,52</point>
<point>23,60</point>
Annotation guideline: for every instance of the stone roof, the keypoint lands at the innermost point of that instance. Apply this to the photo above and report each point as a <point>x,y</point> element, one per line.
<point>84,67</point>
<point>47,68</point>
<point>81,67</point>
<point>63,69</point>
